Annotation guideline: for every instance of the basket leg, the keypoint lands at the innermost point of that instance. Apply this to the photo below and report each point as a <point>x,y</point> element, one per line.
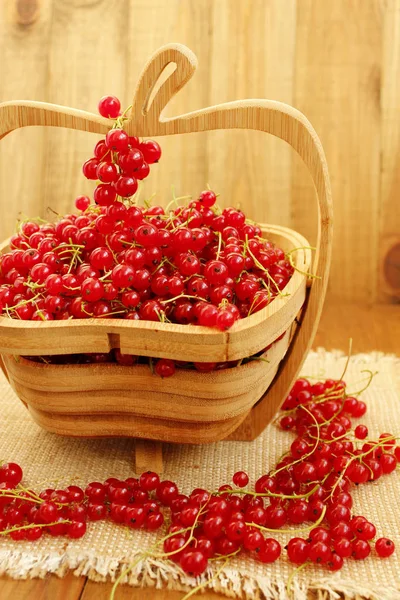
<point>148,456</point>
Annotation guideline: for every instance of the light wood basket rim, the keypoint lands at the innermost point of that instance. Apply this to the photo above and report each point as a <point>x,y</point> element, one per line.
<point>302,261</point>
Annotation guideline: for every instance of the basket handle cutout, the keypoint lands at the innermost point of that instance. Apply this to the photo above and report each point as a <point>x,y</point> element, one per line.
<point>154,90</point>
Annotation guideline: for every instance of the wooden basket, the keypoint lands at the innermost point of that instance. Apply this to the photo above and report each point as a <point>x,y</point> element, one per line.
<point>114,400</point>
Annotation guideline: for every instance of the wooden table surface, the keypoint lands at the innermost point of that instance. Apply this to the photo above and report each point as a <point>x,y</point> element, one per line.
<point>372,328</point>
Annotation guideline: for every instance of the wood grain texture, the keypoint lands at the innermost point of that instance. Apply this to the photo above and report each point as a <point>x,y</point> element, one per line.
<point>337,61</point>
<point>253,57</point>
<point>148,456</point>
<point>94,591</point>
<point>81,69</point>
<point>23,46</point>
<point>389,250</point>
<point>51,588</point>
<point>338,321</point>
<point>338,71</point>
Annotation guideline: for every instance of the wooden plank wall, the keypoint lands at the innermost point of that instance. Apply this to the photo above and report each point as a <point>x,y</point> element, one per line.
<point>337,61</point>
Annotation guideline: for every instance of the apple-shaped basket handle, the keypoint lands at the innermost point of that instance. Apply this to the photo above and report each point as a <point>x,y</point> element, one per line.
<point>146,119</point>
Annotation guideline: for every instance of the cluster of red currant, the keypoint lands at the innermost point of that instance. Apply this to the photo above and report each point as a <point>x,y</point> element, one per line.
<point>192,264</point>
<point>310,485</point>
<point>141,263</point>
<point>119,160</point>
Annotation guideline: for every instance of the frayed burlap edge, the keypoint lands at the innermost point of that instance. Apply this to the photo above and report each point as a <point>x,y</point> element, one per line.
<point>161,574</point>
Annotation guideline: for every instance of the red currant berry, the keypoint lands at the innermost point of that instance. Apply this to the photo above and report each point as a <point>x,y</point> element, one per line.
<point>82,202</point>
<point>193,562</point>
<point>240,479</point>
<point>89,168</point>
<point>165,367</point>
<point>117,140</point>
<point>151,151</point>
<point>126,186</point>
<point>207,198</point>
<point>109,107</point>
<point>384,547</point>
<point>107,172</point>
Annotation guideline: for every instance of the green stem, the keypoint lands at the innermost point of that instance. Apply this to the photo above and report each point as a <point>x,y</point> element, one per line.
<point>205,583</point>
<point>301,459</point>
<point>291,578</point>
<point>291,531</point>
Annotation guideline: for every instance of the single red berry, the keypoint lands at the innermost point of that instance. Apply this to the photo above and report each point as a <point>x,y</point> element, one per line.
<point>224,320</point>
<point>48,512</point>
<point>82,202</point>
<point>253,539</point>
<point>361,549</point>
<point>298,550</point>
<point>240,479</point>
<point>149,481</point>
<point>107,172</point>
<point>154,521</point>
<point>109,107</point>
<point>89,168</point>
<point>151,151</point>
<point>130,161</point>
<point>319,552</point>
<point>104,194</point>
<point>76,529</point>
<point>361,432</point>
<point>18,534</point>
<point>96,512</point>
<point>207,198</point>
<point>193,562</point>
<point>388,463</point>
<point>335,563</point>
<point>101,151</point>
<point>135,516</point>
<point>10,474</point>
<point>142,172</point>
<point>213,526</point>
<point>166,492</point>
<point>33,534</point>
<point>117,140</point>
<point>384,547</point>
<point>365,530</point>
<point>126,186</point>
<point>165,367</point>
<point>75,493</point>
<point>391,440</point>
<point>235,530</point>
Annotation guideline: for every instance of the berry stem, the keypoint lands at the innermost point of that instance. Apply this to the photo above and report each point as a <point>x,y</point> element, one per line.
<point>208,581</point>
<point>291,579</point>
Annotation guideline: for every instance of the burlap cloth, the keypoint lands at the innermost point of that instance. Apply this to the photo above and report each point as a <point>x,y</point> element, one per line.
<point>107,548</point>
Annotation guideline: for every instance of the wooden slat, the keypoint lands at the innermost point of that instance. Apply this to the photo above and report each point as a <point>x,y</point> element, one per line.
<point>95,591</point>
<point>50,588</point>
<point>151,24</point>
<point>87,60</point>
<point>24,47</point>
<point>389,264</point>
<point>78,588</point>
<point>338,61</point>
<point>253,57</point>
